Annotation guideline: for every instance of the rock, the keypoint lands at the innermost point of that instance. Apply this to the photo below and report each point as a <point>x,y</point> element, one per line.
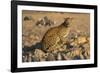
<point>27,18</point>
<point>82,40</point>
<point>65,57</point>
<point>39,55</point>
<point>51,57</point>
<point>68,54</point>
<point>74,43</point>
<point>24,58</point>
<point>59,57</point>
<point>30,57</point>
<point>76,52</point>
<point>81,56</point>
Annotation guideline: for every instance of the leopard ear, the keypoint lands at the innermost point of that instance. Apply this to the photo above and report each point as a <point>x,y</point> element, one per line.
<point>68,18</point>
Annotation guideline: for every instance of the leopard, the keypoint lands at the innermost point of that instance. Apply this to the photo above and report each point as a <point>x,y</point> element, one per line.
<point>55,37</point>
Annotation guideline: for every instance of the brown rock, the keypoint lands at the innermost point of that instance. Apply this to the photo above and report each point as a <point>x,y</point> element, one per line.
<point>39,55</point>
<point>59,57</point>
<point>51,57</point>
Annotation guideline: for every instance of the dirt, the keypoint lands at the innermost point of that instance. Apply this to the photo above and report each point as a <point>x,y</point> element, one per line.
<point>33,34</point>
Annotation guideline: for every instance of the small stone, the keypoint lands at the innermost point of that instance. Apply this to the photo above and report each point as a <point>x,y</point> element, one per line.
<point>65,57</point>
<point>82,40</point>
<point>30,57</point>
<point>59,57</point>
<point>39,55</point>
<point>51,57</point>
<point>24,58</point>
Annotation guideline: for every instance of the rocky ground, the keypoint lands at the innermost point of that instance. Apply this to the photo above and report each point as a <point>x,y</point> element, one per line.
<point>77,46</point>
